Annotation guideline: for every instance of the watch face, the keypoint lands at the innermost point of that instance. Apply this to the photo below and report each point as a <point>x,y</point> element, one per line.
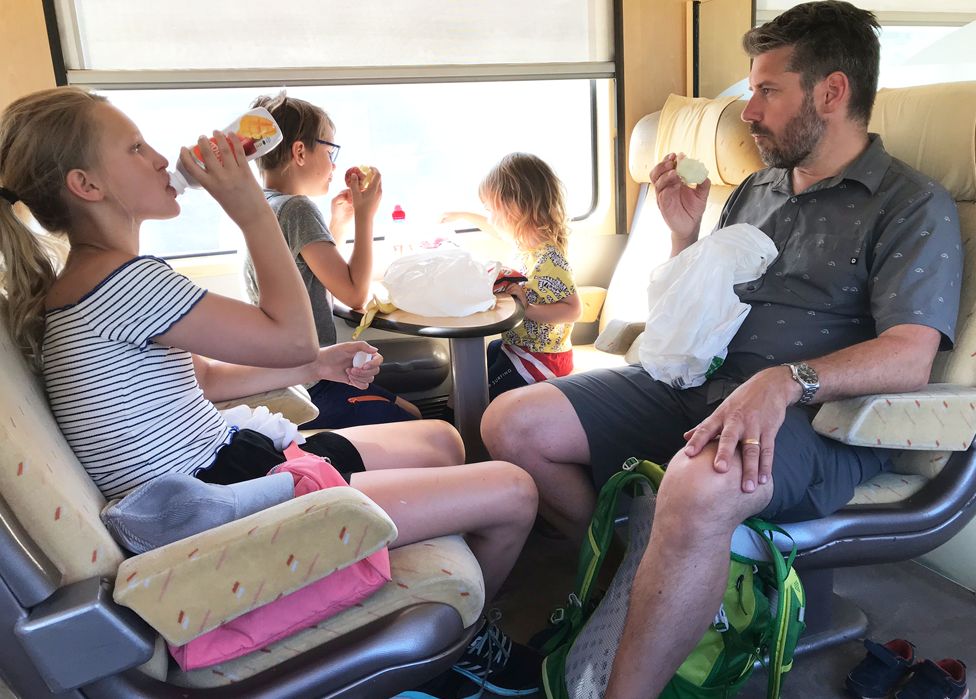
<point>806,373</point>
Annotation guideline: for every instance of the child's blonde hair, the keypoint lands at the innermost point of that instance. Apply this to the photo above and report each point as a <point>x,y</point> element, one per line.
<point>43,136</point>
<point>525,191</point>
<point>298,120</point>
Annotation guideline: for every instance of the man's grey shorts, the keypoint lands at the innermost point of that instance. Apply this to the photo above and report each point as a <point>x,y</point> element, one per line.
<point>626,413</point>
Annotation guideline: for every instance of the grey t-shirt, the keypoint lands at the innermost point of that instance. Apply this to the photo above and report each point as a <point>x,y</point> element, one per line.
<point>302,223</point>
<point>873,247</point>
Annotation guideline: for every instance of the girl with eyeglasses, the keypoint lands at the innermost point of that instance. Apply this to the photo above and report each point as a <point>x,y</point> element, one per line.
<point>302,167</point>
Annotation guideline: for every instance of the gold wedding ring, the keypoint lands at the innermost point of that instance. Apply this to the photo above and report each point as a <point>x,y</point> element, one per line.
<point>751,441</point>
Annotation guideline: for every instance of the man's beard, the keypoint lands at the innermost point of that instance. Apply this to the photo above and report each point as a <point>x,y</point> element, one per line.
<point>799,140</point>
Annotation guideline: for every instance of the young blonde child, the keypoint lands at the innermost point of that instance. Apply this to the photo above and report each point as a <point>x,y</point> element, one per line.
<point>525,201</point>
<point>303,166</point>
<point>132,353</point>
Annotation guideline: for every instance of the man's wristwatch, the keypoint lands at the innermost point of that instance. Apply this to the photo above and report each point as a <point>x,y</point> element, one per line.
<point>806,376</point>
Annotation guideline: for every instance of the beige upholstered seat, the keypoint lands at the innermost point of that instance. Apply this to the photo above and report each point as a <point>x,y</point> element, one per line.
<point>50,510</point>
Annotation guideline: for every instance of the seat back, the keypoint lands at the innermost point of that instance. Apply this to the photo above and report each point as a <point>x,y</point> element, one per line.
<point>42,481</point>
<point>933,129</point>
<point>710,130</point>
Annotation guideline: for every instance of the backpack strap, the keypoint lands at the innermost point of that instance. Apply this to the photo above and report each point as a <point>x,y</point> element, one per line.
<point>787,587</point>
<point>594,550</point>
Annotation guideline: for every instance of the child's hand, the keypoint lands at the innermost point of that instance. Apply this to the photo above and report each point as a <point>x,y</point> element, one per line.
<point>226,176</point>
<point>518,292</point>
<point>365,173</point>
<point>335,363</point>
<point>470,218</point>
<point>365,202</point>
<point>341,214</point>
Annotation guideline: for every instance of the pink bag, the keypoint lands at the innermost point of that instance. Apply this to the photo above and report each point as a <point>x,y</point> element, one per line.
<point>303,608</point>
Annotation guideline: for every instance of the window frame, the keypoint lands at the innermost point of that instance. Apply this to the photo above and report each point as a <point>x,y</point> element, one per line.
<point>108,81</point>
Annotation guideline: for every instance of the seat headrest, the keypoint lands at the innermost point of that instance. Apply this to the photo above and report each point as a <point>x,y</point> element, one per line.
<point>933,129</point>
<point>710,130</point>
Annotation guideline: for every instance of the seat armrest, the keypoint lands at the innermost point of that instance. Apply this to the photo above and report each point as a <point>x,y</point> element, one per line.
<point>293,402</point>
<point>193,585</point>
<point>592,298</point>
<point>942,416</point>
<point>79,635</point>
<point>618,336</point>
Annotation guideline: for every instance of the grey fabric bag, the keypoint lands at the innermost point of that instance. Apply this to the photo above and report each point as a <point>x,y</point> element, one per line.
<point>176,505</point>
<point>590,660</point>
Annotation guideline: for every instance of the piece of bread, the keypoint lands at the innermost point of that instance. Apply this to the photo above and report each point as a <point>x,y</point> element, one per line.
<point>691,171</point>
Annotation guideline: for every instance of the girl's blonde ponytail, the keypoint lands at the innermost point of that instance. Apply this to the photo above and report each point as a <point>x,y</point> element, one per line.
<point>28,267</point>
<point>43,136</point>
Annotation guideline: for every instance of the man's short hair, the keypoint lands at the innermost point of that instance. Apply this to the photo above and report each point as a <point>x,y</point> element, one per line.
<point>826,36</point>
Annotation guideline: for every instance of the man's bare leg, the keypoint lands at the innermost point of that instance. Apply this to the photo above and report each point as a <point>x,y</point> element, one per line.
<point>680,581</point>
<point>537,428</point>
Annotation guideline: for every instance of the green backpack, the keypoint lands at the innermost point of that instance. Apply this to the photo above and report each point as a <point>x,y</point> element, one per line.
<point>761,614</point>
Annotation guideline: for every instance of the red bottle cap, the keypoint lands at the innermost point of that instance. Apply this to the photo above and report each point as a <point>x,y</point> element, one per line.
<point>399,214</point>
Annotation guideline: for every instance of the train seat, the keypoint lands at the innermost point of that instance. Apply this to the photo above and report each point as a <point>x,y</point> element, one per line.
<point>64,632</point>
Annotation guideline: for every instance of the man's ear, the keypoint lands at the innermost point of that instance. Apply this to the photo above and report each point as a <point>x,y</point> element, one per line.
<point>836,94</point>
<point>82,185</point>
<point>298,153</point>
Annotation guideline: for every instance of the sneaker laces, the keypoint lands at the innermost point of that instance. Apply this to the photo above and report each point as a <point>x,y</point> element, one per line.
<point>491,645</point>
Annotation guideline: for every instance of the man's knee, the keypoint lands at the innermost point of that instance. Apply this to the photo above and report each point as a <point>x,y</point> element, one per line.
<point>519,424</point>
<point>695,497</point>
<point>506,424</point>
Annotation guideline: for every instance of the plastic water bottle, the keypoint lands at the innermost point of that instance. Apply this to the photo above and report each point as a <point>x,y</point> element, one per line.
<point>398,232</point>
<point>258,132</point>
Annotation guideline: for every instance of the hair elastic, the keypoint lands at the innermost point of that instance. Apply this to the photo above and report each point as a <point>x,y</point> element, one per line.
<point>9,196</point>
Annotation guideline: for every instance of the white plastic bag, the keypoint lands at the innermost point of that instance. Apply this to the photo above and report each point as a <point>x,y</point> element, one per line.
<point>694,312</point>
<point>274,426</point>
<point>441,282</point>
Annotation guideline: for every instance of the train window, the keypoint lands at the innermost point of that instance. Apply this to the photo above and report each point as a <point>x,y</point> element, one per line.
<point>433,143</point>
<point>432,93</point>
<point>919,45</point>
<point>922,54</point>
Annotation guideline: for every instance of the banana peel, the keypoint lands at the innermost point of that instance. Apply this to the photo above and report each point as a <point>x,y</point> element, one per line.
<point>369,312</point>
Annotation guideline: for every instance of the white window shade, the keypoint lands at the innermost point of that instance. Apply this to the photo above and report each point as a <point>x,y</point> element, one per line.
<point>234,36</point>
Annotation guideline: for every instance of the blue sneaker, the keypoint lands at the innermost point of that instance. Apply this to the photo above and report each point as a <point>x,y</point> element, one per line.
<point>882,669</point>
<point>945,679</point>
<point>494,663</point>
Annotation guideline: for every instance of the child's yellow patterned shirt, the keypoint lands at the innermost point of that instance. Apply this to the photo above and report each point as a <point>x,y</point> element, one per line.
<point>550,279</point>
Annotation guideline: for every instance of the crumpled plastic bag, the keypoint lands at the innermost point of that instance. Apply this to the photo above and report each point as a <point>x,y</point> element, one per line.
<point>694,311</point>
<point>274,426</point>
<point>443,282</point>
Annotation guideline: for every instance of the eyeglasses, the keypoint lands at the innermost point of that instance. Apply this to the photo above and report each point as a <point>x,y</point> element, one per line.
<point>334,153</point>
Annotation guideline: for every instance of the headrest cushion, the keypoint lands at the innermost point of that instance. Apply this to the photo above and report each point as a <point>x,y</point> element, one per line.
<point>933,129</point>
<point>709,130</point>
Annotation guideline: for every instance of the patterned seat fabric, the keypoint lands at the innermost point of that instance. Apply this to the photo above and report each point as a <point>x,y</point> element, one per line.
<point>438,570</point>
